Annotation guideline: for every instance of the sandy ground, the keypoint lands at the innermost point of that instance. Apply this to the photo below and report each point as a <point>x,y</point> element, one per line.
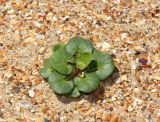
<point>127,29</point>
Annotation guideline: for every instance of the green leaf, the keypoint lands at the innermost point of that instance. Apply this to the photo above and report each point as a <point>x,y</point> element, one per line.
<point>83,60</point>
<point>57,46</point>
<point>60,61</point>
<point>78,44</point>
<point>55,77</point>
<point>45,72</point>
<point>88,84</point>
<point>105,64</point>
<point>75,93</point>
<point>63,87</point>
<point>76,79</point>
<point>105,71</point>
<point>59,84</point>
<point>47,68</point>
<point>48,63</point>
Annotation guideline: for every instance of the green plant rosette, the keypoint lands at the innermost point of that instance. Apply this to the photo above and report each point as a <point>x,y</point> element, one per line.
<point>76,67</point>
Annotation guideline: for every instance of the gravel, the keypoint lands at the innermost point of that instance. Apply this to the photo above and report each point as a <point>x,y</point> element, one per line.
<point>128,30</point>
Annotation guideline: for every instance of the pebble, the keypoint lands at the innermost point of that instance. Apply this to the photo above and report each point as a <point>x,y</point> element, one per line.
<point>33,109</point>
<point>25,104</point>
<point>40,36</point>
<point>66,18</point>
<point>41,50</point>
<point>54,18</point>
<point>103,45</point>
<point>134,65</point>
<point>124,35</point>
<point>130,109</point>
<point>46,120</point>
<point>49,16</point>
<point>42,119</point>
<point>2,81</point>
<point>37,24</point>
<point>39,119</point>
<point>113,98</point>
<point>47,23</point>
<point>8,75</point>
<point>124,77</point>
<point>31,93</point>
<point>136,90</point>
<point>16,89</point>
<point>143,61</point>
<point>158,115</point>
<point>108,18</point>
<point>29,39</point>
<point>147,115</point>
<point>137,102</point>
<point>11,95</point>
<point>10,11</point>
<point>155,76</point>
<point>153,90</point>
<point>63,119</point>
<point>2,120</point>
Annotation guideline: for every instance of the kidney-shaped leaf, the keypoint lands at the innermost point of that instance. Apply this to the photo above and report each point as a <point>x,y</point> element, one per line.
<point>88,84</point>
<point>55,77</point>
<point>63,87</point>
<point>45,72</point>
<point>105,64</point>
<point>60,60</point>
<point>105,70</point>
<point>83,60</point>
<point>47,68</point>
<point>57,46</point>
<point>78,44</point>
<point>75,93</point>
<point>59,84</point>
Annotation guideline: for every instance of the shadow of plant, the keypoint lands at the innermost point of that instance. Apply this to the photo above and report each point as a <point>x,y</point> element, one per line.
<point>98,94</point>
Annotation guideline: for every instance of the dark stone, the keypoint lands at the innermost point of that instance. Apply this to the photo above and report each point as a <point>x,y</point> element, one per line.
<point>137,52</point>
<point>143,61</point>
<point>46,120</point>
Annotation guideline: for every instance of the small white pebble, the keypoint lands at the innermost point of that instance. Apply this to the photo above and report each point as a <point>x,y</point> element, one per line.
<point>130,109</point>
<point>141,0</point>
<point>37,24</point>
<point>43,81</point>
<point>25,104</point>
<point>153,90</point>
<point>137,102</point>
<point>158,114</point>
<point>31,93</point>
<point>117,1</point>
<point>3,120</point>
<point>11,95</point>
<point>54,18</point>
<point>58,31</point>
<point>114,51</point>
<point>134,65</point>
<point>136,90</point>
<point>103,45</point>
<point>113,98</point>
<point>40,36</point>
<point>8,75</point>
<point>10,11</point>
<point>104,101</point>
<point>108,18</point>
<point>124,78</point>
<point>66,17</point>
<point>124,35</point>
